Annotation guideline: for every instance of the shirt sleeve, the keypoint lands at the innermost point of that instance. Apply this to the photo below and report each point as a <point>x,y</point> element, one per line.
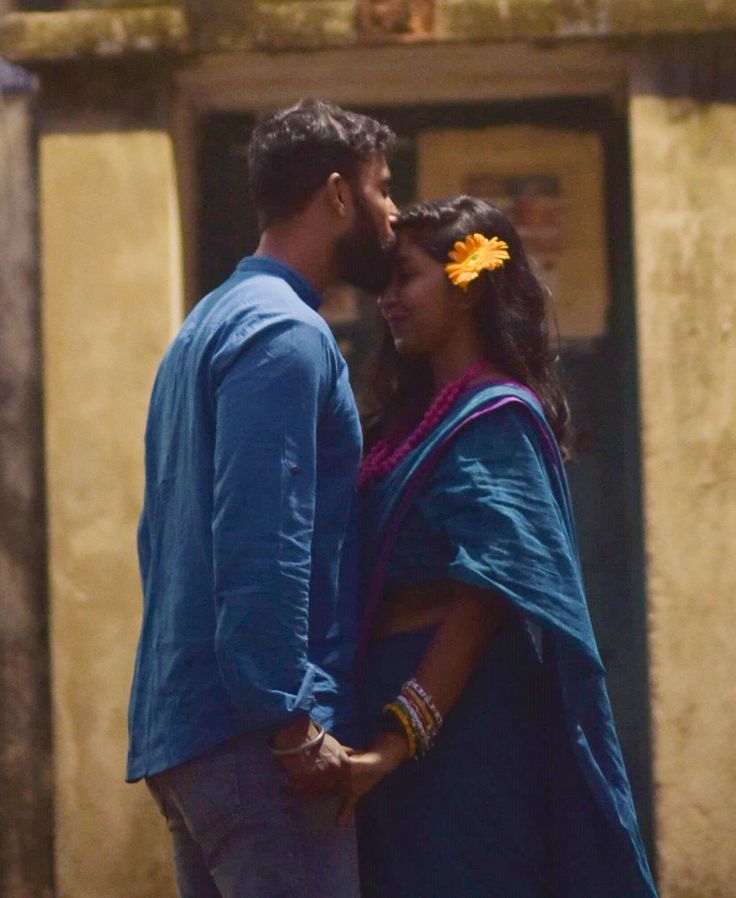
<point>267,406</point>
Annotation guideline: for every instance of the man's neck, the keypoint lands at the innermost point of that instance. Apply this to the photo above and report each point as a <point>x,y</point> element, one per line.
<point>302,250</point>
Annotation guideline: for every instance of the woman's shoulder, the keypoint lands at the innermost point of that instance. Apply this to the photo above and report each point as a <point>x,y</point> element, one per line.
<point>512,429</point>
<point>493,453</point>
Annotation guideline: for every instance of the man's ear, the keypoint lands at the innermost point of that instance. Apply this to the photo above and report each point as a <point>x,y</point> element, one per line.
<point>338,194</point>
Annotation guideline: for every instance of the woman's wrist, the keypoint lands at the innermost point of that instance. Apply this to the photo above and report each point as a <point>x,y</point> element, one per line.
<point>392,748</point>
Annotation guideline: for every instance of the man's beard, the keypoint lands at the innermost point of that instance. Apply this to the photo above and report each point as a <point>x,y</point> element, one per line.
<point>363,260</point>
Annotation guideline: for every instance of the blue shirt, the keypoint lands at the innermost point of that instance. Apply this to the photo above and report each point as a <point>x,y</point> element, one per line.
<point>247,536</point>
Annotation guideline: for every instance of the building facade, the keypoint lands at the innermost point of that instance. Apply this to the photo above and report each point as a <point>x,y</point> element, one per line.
<point>607,130</point>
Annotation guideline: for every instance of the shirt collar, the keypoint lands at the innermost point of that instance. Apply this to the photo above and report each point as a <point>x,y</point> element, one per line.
<point>301,286</point>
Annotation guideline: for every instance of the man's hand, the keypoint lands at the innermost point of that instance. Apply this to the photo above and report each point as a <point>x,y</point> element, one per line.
<point>316,771</point>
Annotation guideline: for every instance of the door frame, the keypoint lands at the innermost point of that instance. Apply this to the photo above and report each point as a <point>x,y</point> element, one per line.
<point>386,76</point>
<point>570,85</point>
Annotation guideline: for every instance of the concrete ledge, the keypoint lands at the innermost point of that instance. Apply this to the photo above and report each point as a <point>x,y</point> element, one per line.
<point>282,25</point>
<point>56,36</point>
<point>560,19</point>
<point>305,25</point>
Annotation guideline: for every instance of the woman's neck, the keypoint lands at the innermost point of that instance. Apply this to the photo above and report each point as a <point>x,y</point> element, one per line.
<point>451,362</point>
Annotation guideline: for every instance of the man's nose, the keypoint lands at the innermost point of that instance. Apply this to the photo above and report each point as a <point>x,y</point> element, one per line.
<point>393,211</point>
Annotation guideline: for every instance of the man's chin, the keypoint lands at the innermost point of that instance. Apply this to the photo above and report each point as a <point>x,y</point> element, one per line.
<point>369,271</point>
<point>371,282</point>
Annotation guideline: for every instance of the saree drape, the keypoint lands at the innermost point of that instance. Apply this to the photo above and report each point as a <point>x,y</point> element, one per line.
<point>492,476</point>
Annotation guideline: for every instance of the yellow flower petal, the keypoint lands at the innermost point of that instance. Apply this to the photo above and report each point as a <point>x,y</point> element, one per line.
<point>475,254</point>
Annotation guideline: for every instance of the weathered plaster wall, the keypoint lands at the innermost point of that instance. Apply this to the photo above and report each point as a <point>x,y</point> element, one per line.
<point>105,34</point>
<point>684,176</point>
<point>107,28</point>
<point>112,299</point>
<point>26,827</point>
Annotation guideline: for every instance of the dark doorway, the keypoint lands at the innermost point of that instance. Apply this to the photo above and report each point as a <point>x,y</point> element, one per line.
<point>600,373</point>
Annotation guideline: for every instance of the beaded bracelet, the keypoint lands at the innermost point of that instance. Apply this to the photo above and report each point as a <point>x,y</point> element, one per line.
<point>417,714</point>
<point>398,712</point>
<point>425,733</point>
<point>426,698</point>
<point>420,731</point>
<point>420,708</point>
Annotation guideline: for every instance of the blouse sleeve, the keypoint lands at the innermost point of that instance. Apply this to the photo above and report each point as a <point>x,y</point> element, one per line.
<point>495,499</point>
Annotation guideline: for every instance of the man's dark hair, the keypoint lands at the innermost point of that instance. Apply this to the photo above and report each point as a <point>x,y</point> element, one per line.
<point>293,152</point>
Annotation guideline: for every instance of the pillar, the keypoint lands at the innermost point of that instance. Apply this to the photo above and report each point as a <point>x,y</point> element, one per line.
<point>683,145</point>
<point>112,299</point>
<point>26,832</point>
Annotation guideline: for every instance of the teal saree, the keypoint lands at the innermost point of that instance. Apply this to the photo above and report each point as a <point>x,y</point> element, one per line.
<point>525,794</point>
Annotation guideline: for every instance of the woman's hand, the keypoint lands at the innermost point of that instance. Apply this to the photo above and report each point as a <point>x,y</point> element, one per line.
<point>368,768</point>
<point>323,769</point>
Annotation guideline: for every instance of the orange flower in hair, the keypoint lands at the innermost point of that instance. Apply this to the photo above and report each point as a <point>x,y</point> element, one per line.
<point>475,254</point>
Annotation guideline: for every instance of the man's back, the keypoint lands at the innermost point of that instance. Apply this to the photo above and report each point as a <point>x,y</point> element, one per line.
<point>246,539</point>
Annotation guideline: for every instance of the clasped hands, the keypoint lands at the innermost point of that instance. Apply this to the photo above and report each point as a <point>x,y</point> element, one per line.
<point>332,768</point>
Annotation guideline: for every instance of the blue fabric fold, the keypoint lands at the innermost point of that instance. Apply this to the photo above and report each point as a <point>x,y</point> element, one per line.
<point>484,500</point>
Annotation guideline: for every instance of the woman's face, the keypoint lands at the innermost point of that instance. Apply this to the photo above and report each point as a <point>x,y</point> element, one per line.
<point>420,305</point>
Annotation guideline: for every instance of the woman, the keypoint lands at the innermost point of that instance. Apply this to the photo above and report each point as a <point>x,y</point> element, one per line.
<point>478,657</point>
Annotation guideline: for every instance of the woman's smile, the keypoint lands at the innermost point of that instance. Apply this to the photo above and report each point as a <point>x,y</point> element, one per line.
<point>396,318</point>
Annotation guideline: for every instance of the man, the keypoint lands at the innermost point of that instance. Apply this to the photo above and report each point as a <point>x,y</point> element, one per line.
<point>242,684</point>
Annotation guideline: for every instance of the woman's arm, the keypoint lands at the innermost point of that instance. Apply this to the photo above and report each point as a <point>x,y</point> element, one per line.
<point>458,643</point>
<point>445,669</point>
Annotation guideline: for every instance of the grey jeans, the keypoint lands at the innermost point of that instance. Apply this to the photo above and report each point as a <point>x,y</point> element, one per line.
<point>239,830</point>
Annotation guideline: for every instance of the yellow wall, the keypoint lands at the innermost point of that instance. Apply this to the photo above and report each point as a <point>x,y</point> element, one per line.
<point>685,230</point>
<point>111,301</point>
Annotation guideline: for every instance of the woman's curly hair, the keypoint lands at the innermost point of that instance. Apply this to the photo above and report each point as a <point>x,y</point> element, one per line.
<point>512,315</point>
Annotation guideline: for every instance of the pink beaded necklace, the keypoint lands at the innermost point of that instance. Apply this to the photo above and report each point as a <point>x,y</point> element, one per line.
<point>381,459</point>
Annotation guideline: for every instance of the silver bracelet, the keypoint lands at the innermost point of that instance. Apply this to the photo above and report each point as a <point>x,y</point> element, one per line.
<point>314,742</point>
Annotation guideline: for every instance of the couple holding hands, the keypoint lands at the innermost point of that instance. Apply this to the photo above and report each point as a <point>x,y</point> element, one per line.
<point>366,665</point>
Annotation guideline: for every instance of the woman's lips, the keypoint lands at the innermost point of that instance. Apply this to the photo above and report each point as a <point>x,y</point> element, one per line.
<point>395,320</point>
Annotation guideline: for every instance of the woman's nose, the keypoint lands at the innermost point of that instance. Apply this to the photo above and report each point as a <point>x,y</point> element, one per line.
<point>386,298</point>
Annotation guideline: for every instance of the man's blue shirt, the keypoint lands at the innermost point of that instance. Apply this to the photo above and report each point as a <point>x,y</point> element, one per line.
<point>247,536</point>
